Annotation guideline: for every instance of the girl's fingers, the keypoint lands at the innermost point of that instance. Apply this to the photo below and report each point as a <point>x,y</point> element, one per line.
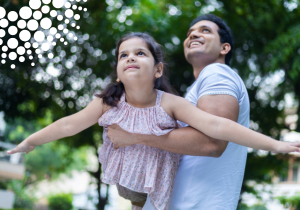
<point>12,151</point>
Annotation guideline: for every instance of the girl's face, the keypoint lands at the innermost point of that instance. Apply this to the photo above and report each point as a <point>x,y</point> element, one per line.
<point>136,63</point>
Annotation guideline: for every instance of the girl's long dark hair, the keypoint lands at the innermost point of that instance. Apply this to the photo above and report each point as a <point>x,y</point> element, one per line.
<point>113,92</point>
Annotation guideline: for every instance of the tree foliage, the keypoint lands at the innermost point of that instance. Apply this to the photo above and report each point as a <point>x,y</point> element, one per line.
<point>266,56</point>
<point>290,202</point>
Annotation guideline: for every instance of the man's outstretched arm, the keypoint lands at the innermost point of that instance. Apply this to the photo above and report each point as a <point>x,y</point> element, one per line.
<point>187,141</point>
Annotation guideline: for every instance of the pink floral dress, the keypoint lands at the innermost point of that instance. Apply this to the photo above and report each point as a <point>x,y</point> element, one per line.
<point>138,170</point>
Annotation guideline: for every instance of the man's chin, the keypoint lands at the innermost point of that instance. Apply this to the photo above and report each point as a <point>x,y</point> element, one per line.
<point>192,54</point>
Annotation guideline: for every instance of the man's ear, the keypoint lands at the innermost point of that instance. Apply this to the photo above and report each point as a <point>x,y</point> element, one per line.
<point>159,70</point>
<point>225,48</point>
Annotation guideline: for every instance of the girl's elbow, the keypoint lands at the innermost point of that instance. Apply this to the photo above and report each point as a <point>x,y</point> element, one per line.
<point>66,128</point>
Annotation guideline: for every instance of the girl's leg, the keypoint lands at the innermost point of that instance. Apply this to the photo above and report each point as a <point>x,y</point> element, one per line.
<point>139,204</point>
<point>148,205</point>
<point>136,207</point>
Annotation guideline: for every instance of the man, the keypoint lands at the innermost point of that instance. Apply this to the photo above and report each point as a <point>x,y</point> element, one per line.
<point>204,183</point>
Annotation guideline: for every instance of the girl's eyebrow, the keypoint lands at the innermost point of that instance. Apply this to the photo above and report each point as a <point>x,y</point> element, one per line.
<point>122,52</point>
<point>143,49</point>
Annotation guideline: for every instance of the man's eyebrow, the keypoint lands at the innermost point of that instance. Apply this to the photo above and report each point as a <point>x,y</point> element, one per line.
<point>203,26</point>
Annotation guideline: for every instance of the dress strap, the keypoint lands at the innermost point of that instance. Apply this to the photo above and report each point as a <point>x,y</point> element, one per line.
<point>158,98</point>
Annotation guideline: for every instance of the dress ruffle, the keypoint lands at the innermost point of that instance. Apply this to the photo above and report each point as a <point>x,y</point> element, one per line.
<point>138,167</point>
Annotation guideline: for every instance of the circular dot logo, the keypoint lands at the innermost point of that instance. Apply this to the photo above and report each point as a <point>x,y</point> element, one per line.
<point>24,35</point>
<point>35,4</point>
<point>46,1</point>
<point>12,16</point>
<point>46,23</point>
<point>21,59</point>
<point>3,23</point>
<point>37,31</point>
<point>12,43</point>
<point>37,15</point>
<point>12,56</point>
<point>21,50</point>
<point>12,30</point>
<point>45,9</point>
<point>39,36</point>
<point>2,12</point>
<point>21,24</point>
<point>58,3</point>
<point>2,33</point>
<point>32,25</point>
<point>25,13</point>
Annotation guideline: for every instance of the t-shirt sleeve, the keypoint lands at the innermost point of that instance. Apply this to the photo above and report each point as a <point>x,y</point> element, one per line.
<point>217,80</point>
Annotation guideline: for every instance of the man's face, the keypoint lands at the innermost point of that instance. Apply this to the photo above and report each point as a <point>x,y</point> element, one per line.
<point>202,42</point>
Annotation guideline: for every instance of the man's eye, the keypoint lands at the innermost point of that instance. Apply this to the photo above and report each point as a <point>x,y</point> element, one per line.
<point>141,53</point>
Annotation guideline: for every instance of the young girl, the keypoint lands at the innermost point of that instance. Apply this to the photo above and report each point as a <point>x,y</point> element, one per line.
<point>139,103</point>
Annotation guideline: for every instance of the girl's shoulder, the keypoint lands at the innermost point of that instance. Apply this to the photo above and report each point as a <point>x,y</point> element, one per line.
<point>106,108</point>
<point>167,102</point>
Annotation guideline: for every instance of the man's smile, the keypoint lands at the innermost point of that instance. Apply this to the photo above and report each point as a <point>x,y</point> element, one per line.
<point>195,43</point>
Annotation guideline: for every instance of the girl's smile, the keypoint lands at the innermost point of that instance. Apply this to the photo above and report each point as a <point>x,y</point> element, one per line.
<point>132,66</point>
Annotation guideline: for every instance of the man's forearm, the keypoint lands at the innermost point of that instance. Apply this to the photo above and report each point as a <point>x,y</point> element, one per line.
<point>186,141</point>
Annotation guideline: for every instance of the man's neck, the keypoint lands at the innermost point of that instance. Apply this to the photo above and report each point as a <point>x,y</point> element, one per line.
<point>198,68</point>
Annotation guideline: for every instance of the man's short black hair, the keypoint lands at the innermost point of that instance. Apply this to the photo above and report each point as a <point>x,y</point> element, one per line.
<point>224,31</point>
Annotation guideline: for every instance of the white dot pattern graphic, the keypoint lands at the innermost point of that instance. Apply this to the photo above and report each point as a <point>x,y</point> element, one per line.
<point>3,23</point>
<point>37,15</point>
<point>37,31</point>
<point>25,13</point>
<point>21,24</point>
<point>12,30</point>
<point>2,12</point>
<point>12,16</point>
<point>12,43</point>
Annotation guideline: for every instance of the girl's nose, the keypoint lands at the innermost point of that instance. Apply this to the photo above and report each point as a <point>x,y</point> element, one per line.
<point>131,59</point>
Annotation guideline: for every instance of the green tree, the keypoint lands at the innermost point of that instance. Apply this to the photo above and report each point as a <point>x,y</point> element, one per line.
<point>60,201</point>
<point>290,202</point>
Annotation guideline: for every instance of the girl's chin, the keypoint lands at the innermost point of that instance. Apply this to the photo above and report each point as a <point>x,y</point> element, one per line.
<point>134,80</point>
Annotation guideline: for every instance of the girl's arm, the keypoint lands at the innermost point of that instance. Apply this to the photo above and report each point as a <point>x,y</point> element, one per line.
<point>221,128</point>
<point>67,126</point>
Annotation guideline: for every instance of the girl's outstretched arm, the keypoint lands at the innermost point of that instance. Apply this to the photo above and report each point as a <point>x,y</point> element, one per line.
<point>67,126</point>
<point>223,129</point>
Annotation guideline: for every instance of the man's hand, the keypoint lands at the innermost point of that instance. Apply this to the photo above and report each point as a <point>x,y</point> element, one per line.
<point>120,137</point>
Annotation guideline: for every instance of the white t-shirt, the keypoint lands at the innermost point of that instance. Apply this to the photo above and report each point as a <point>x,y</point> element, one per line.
<point>207,183</point>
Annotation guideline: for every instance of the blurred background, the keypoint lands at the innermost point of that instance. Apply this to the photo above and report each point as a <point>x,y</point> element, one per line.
<point>62,69</point>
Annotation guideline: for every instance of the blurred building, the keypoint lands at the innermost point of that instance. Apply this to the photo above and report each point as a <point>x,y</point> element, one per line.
<point>285,185</point>
<point>11,167</point>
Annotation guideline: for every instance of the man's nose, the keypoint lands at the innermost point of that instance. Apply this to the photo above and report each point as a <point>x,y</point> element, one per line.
<point>194,35</point>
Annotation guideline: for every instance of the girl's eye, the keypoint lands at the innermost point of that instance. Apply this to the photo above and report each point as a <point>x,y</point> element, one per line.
<point>206,30</point>
<point>141,53</point>
<point>122,56</point>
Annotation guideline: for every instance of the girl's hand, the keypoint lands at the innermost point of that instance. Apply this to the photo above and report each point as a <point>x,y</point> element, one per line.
<point>22,147</point>
<point>287,147</point>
